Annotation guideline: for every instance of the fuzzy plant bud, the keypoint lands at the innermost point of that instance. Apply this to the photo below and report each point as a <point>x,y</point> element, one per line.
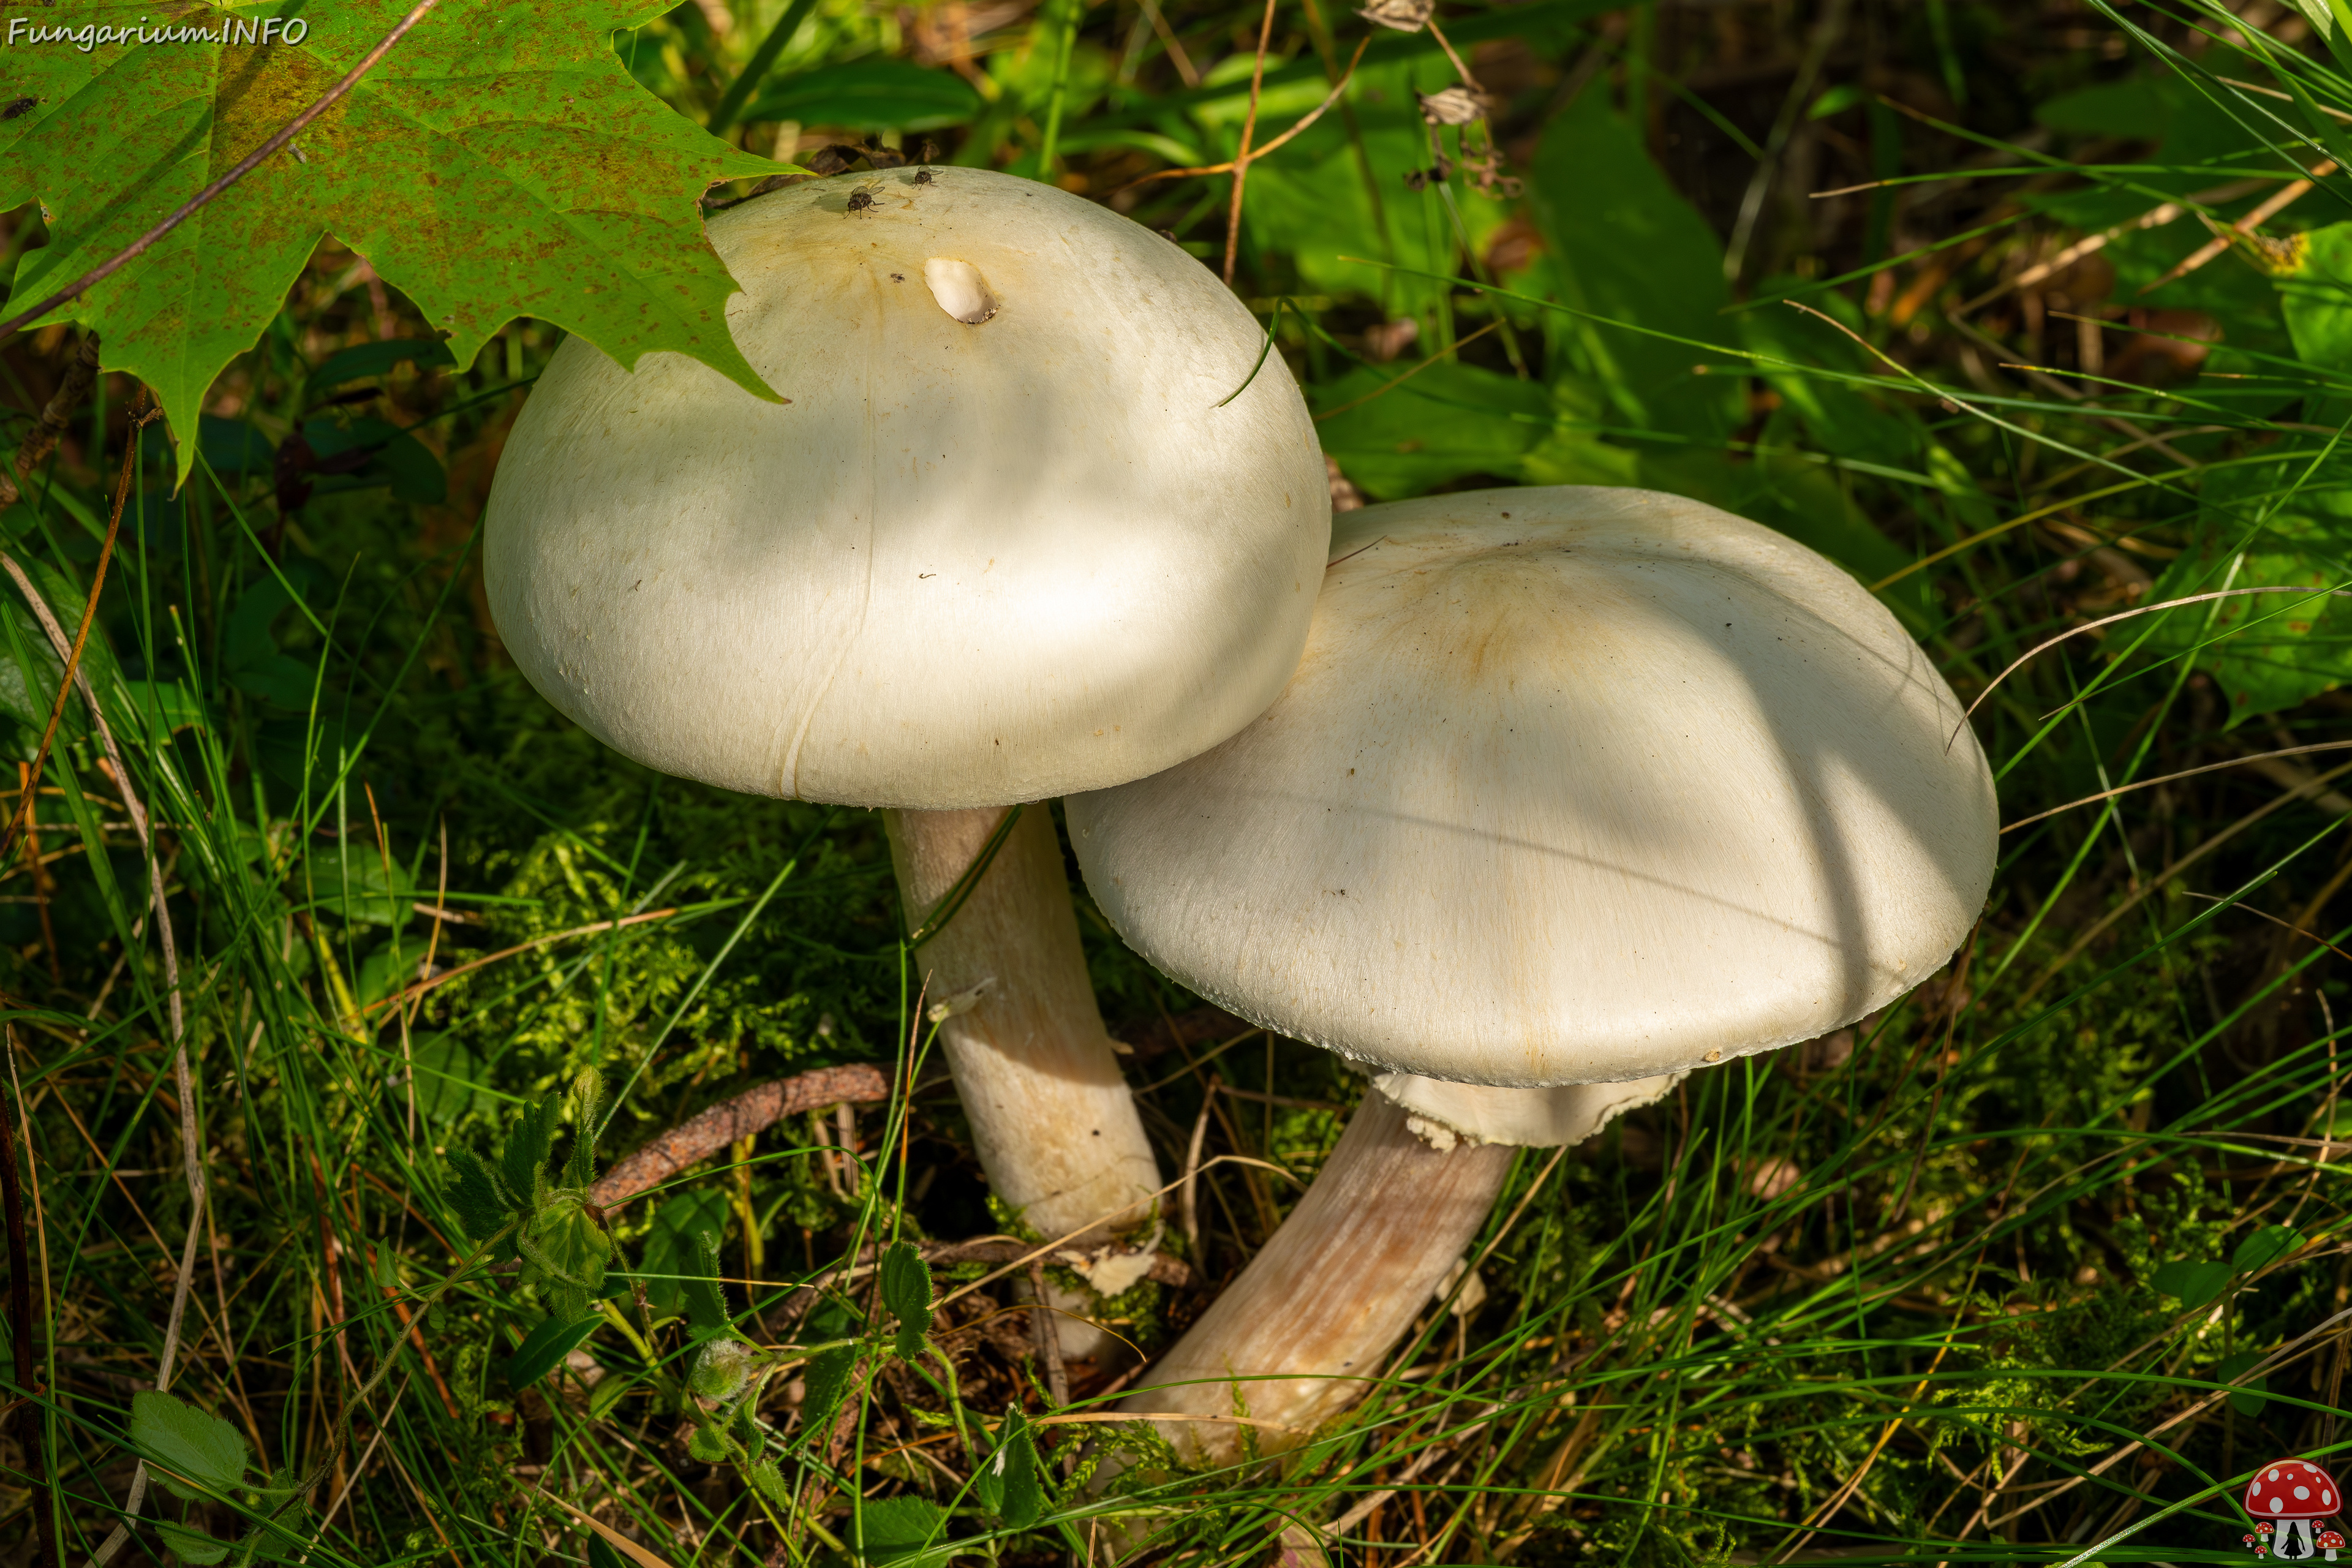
<point>721,1370</point>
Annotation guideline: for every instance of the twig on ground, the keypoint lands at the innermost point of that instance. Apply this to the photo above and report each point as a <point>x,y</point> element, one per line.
<point>2293,190</point>
<point>749,1113</point>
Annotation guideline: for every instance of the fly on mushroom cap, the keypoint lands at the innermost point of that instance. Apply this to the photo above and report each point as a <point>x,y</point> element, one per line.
<point>1619,785</point>
<point>1002,543</point>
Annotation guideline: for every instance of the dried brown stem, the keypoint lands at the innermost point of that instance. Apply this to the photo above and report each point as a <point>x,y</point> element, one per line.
<point>1049,1339</point>
<point>748,1114</point>
<point>1304,121</point>
<point>81,371</point>
<point>82,635</point>
<point>1241,158</point>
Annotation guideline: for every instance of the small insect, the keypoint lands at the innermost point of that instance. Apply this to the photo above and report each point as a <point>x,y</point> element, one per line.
<point>860,200</point>
<point>922,176</point>
<point>19,106</point>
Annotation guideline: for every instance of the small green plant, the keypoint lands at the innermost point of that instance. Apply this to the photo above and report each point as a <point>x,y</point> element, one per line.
<point>549,1226</point>
<point>199,1458</point>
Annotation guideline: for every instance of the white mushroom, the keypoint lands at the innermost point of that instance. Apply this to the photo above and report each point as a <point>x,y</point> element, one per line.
<point>1005,538</point>
<point>1572,786</point>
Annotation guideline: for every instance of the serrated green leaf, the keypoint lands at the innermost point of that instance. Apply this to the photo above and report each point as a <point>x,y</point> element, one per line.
<point>191,1545</point>
<point>705,1303</point>
<point>500,161</point>
<point>1007,1481</point>
<point>707,1446</point>
<point>544,1348</point>
<point>473,1192</point>
<point>187,1444</point>
<point>522,1163</point>
<point>587,1113</point>
<point>565,1252</point>
<point>907,1290</point>
<point>825,1384</point>
<point>770,1482</point>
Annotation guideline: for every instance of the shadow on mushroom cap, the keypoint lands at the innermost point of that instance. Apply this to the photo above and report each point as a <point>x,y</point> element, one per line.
<point>1573,784</point>
<point>972,561</point>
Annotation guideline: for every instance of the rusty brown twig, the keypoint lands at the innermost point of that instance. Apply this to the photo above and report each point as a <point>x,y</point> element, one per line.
<point>1309,117</point>
<point>754,1109</point>
<point>1241,158</point>
<point>82,635</point>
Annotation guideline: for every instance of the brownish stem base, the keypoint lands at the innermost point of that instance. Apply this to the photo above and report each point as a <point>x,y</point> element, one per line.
<point>1330,1296</point>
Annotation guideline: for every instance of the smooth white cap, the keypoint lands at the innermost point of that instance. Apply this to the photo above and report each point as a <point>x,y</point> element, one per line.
<point>1002,543</point>
<point>1573,784</point>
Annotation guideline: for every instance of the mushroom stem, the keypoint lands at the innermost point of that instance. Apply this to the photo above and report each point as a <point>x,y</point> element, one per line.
<point>1331,1293</point>
<point>1052,1116</point>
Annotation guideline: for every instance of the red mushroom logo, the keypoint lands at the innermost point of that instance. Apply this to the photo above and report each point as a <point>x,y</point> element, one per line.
<point>2293,1495</point>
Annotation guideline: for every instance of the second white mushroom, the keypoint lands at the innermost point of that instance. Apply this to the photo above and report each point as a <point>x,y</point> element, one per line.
<point>1572,786</point>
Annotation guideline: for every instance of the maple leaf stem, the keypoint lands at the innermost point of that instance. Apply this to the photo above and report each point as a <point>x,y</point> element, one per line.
<point>245,166</point>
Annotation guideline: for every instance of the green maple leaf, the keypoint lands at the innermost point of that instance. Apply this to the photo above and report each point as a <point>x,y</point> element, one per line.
<point>499,162</point>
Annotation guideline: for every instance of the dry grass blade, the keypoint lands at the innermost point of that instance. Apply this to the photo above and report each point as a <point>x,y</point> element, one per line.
<point>2174,777</point>
<point>2048,642</point>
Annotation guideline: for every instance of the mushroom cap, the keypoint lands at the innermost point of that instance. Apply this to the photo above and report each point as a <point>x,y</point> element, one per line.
<point>2293,1488</point>
<point>1573,784</point>
<point>1003,540</point>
